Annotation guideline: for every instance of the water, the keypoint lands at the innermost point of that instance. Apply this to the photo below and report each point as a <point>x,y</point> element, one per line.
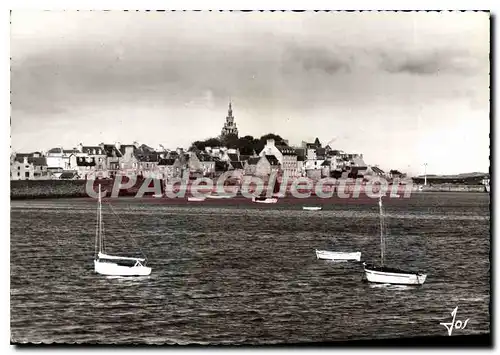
<point>232,272</point>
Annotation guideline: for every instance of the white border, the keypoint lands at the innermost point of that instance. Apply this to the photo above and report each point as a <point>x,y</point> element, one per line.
<point>150,4</point>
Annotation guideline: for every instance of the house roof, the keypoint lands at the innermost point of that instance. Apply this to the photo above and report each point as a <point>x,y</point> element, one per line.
<point>147,157</point>
<point>111,151</point>
<point>272,159</point>
<point>55,150</point>
<point>38,161</point>
<point>233,157</point>
<point>68,174</point>
<point>220,166</point>
<point>326,163</point>
<point>166,162</point>
<point>301,152</point>
<point>301,158</point>
<point>69,151</point>
<point>90,150</point>
<point>285,150</point>
<point>377,170</point>
<point>320,152</point>
<point>122,148</point>
<point>237,164</point>
<point>244,157</point>
<point>253,160</point>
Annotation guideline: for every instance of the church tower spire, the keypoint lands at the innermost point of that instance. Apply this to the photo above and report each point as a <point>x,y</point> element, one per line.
<point>229,125</point>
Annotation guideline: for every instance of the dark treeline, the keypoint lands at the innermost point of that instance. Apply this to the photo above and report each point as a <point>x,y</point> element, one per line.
<point>247,144</point>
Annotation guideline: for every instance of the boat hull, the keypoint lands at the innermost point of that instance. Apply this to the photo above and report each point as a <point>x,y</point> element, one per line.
<point>267,200</point>
<point>394,278</point>
<point>218,197</point>
<point>338,256</point>
<point>196,199</point>
<point>113,269</point>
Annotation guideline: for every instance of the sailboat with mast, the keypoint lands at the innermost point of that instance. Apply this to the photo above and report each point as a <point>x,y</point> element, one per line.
<point>112,265</point>
<point>385,275</point>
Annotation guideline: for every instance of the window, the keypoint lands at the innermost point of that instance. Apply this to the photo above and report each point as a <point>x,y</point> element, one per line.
<point>18,168</point>
<point>27,175</point>
<point>18,174</point>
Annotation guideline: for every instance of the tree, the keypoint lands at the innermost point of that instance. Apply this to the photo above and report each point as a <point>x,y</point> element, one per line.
<point>230,141</point>
<point>213,142</point>
<point>246,145</point>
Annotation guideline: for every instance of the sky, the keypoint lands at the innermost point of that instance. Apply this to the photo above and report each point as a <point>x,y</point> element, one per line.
<point>403,89</point>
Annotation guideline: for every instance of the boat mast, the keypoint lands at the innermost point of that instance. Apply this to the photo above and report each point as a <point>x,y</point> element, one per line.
<point>100,220</point>
<point>382,240</point>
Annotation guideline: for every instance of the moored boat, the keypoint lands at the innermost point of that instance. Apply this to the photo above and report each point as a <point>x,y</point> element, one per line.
<point>218,196</point>
<point>312,208</point>
<point>338,256</point>
<point>262,199</point>
<point>385,275</point>
<point>392,276</point>
<point>196,199</point>
<point>111,265</point>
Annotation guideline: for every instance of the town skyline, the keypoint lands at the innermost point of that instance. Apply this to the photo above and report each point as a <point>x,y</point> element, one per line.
<point>414,92</point>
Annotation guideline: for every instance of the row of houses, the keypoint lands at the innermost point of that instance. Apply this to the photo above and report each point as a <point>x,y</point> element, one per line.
<point>108,160</point>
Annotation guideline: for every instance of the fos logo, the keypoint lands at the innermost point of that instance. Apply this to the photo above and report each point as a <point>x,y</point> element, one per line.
<point>457,325</point>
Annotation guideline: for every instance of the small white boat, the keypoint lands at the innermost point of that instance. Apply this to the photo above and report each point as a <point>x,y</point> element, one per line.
<point>338,256</point>
<point>111,265</point>
<point>217,196</point>
<point>261,199</point>
<point>196,199</point>
<point>385,275</point>
<point>312,208</point>
<point>158,195</point>
<point>279,195</point>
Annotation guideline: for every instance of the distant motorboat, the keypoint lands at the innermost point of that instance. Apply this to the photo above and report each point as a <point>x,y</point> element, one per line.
<point>261,199</point>
<point>158,195</point>
<point>218,196</point>
<point>196,199</point>
<point>279,195</point>
<point>338,256</point>
<point>312,208</point>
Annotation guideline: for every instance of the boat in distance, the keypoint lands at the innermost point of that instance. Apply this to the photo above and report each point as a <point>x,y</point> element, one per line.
<point>264,199</point>
<point>338,256</point>
<point>196,199</point>
<point>218,196</point>
<point>111,265</point>
<point>312,208</point>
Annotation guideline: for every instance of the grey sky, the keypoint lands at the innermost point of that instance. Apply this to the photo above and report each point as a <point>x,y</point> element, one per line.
<point>401,88</point>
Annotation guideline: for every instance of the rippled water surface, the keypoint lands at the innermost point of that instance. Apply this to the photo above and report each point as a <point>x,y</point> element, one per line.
<point>232,272</point>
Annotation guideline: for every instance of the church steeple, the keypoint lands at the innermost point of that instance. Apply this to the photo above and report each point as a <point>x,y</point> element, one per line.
<point>229,125</point>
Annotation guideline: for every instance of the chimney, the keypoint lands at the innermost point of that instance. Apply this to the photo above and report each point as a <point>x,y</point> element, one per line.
<point>118,145</point>
<point>25,160</point>
<point>270,141</point>
<point>136,144</point>
<point>80,147</point>
<point>101,145</point>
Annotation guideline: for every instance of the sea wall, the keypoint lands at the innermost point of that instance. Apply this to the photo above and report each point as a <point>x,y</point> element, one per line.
<point>28,189</point>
